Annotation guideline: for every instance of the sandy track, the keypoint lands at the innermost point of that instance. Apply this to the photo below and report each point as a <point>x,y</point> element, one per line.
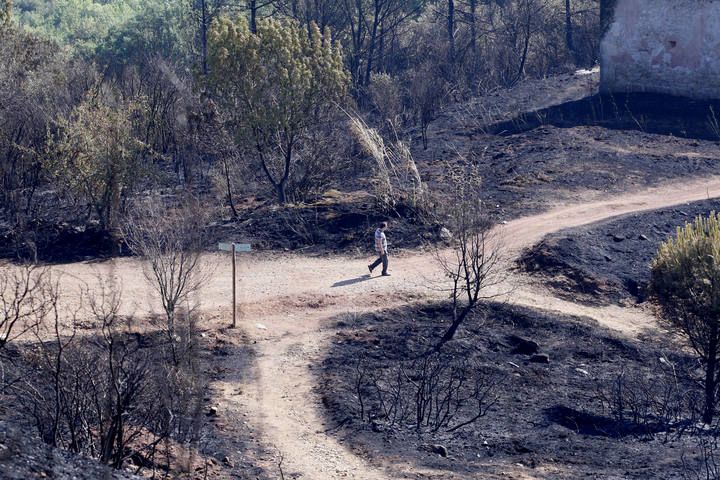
<point>294,299</point>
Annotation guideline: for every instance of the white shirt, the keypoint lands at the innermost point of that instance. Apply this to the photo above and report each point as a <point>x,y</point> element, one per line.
<point>380,241</point>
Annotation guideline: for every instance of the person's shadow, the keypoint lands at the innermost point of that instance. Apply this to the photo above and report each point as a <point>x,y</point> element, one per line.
<point>352,281</point>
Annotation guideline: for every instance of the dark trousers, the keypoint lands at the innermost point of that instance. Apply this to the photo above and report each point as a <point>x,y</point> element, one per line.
<point>381,259</point>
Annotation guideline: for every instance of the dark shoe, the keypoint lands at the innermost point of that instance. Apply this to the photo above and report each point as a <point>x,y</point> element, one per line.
<point>370,268</point>
<point>385,274</point>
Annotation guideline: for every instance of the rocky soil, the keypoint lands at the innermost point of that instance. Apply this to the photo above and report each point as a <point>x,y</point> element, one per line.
<point>23,456</point>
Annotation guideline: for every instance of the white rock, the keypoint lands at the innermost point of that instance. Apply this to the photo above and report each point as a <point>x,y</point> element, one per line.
<point>445,234</point>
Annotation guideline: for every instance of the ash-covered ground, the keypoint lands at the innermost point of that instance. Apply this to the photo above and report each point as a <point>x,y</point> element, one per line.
<point>608,261</point>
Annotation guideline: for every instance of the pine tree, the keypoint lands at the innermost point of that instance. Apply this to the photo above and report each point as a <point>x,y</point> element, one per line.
<point>275,84</point>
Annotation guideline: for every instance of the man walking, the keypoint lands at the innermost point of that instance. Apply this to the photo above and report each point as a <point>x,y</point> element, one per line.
<point>381,249</point>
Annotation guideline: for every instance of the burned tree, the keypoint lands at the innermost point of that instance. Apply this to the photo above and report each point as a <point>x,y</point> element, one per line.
<point>474,263</point>
<point>170,238</point>
<point>23,300</point>
<point>92,384</point>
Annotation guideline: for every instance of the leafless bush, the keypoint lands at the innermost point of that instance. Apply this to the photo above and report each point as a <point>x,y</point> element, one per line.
<point>475,262</point>
<point>170,239</point>
<point>109,392</point>
<point>224,181</point>
<point>432,393</point>
<point>644,404</point>
<point>386,96</point>
<point>37,83</point>
<point>397,180</point>
<point>305,227</point>
<point>23,300</point>
<point>707,465</point>
<point>427,90</point>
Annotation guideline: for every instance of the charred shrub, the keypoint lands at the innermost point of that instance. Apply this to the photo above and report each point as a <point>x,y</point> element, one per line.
<point>642,404</point>
<point>436,392</point>
<point>94,385</point>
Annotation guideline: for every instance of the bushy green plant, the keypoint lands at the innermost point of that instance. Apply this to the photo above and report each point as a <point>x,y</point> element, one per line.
<point>274,85</point>
<point>95,156</point>
<point>6,13</point>
<point>686,284</point>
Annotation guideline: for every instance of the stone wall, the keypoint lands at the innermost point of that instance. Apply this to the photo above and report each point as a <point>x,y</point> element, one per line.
<point>661,46</point>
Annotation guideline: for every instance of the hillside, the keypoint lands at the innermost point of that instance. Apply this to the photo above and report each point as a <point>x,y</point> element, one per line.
<point>545,309</point>
<point>272,380</point>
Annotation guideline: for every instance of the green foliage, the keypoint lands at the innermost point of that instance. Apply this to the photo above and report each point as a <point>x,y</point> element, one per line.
<point>274,85</point>
<point>83,24</point>
<point>6,13</point>
<point>115,32</point>
<point>686,270</point>
<point>159,29</point>
<point>37,83</point>
<point>95,156</point>
<point>686,284</point>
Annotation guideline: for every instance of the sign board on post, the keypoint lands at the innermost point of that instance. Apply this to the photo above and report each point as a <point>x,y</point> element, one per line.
<point>239,247</point>
<point>234,248</point>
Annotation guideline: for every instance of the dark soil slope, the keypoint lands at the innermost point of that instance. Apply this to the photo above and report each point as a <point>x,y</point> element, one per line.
<point>608,261</point>
<point>549,419</point>
<point>557,140</point>
<point>23,456</point>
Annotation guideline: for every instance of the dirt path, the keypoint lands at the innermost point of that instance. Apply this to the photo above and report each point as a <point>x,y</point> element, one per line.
<point>289,304</point>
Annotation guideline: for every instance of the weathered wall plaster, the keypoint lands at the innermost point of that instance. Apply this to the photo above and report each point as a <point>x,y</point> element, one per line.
<point>662,46</point>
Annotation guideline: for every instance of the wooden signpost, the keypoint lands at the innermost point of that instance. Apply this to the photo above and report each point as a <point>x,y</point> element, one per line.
<point>234,248</point>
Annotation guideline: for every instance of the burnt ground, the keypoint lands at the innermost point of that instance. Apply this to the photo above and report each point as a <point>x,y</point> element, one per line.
<point>608,261</point>
<point>643,112</point>
<point>536,160</point>
<point>528,172</point>
<point>224,448</point>
<point>548,420</point>
<point>587,143</point>
<point>24,456</point>
<point>537,144</point>
<point>335,222</point>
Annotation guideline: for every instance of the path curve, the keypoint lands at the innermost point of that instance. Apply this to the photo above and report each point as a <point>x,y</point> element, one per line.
<point>289,300</point>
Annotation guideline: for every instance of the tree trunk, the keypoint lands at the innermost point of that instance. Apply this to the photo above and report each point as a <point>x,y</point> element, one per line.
<point>473,25</point>
<point>526,46</point>
<point>308,18</point>
<point>381,51</point>
<point>252,5</point>
<point>228,185</point>
<point>356,27</point>
<point>203,36</point>
<point>106,449</point>
<point>710,375</point>
<point>457,321</point>
<point>282,184</point>
<point>282,194</point>
<point>373,40</point>
<point>451,31</point>
<point>569,31</point>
